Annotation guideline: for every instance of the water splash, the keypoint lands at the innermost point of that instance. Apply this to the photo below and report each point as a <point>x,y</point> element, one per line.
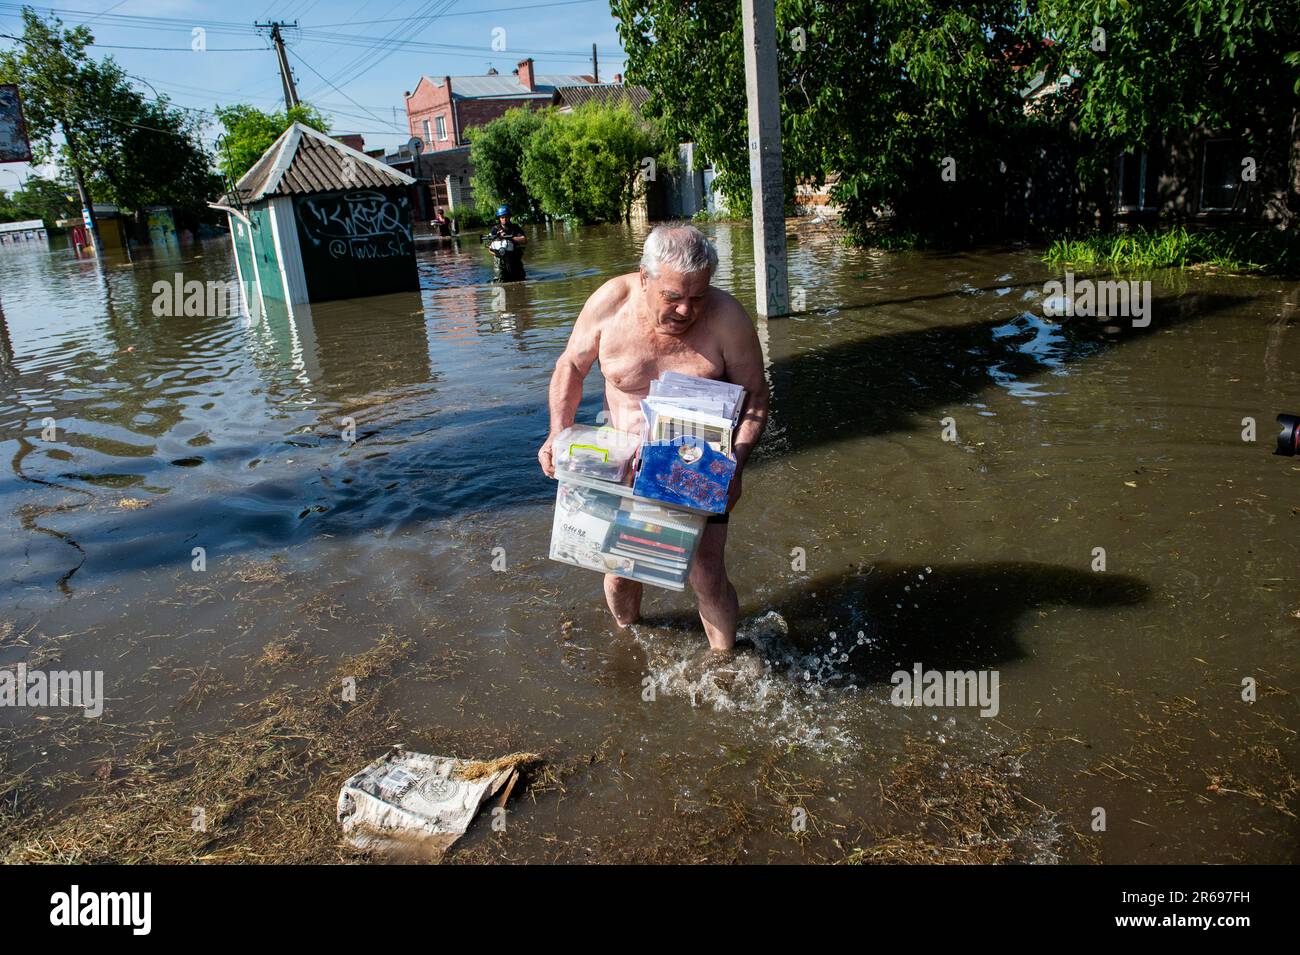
<point>796,697</point>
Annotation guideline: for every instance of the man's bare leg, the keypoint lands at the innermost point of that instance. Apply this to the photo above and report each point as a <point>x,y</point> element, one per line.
<point>718,602</point>
<point>624,599</point>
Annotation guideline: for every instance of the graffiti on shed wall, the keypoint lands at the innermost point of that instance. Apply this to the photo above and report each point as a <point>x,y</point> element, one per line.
<point>361,225</point>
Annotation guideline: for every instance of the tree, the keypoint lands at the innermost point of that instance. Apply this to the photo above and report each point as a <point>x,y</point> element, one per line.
<point>692,61</point>
<point>141,152</point>
<point>47,66</point>
<point>249,132</point>
<point>1163,68</point>
<point>128,150</point>
<point>890,94</point>
<point>588,165</point>
<point>40,198</point>
<point>497,152</point>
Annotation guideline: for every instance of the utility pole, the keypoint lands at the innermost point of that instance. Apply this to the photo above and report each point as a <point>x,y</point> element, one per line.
<point>286,75</point>
<point>771,280</point>
<point>87,207</point>
<point>595,65</point>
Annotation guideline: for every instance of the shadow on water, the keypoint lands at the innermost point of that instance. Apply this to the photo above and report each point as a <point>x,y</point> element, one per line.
<point>945,616</point>
<point>882,384</point>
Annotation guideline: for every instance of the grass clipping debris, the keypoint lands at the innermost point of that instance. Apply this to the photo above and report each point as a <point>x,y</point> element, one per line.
<point>261,791</point>
<point>970,814</point>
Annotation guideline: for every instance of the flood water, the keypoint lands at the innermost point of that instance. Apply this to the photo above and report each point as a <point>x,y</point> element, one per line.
<point>864,543</point>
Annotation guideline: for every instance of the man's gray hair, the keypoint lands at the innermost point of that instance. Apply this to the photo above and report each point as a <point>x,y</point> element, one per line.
<point>679,246</point>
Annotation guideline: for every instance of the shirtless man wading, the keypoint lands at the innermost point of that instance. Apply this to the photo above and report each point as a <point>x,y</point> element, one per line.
<point>666,317</point>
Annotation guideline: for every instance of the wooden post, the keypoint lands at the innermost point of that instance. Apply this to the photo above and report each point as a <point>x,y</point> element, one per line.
<point>771,283</point>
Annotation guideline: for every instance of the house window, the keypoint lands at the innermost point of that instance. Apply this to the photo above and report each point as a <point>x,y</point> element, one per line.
<point>1221,176</point>
<point>442,127</point>
<point>1139,180</point>
<point>427,137</point>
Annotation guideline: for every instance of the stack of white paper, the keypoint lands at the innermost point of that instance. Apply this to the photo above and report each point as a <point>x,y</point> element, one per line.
<point>684,404</point>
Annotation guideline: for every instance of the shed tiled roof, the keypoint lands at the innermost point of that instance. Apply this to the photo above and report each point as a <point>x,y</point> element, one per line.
<point>606,94</point>
<point>304,161</point>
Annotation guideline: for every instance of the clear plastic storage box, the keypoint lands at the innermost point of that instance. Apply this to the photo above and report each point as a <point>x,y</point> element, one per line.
<point>605,528</point>
<point>602,453</point>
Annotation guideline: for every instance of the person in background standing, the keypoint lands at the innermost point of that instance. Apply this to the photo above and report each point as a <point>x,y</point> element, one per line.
<point>507,241</point>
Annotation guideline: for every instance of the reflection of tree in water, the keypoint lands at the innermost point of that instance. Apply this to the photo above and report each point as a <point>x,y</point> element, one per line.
<point>6,343</point>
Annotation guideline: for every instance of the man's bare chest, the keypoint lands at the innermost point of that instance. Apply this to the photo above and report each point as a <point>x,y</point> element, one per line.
<point>631,358</point>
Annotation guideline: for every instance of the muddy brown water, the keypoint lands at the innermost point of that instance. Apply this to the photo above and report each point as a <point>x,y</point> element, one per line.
<point>1119,689</point>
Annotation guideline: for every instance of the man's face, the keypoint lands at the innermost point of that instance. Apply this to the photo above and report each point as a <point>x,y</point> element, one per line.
<point>503,221</point>
<point>675,299</point>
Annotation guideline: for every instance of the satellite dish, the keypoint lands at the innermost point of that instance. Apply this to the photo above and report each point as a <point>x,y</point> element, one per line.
<point>416,145</point>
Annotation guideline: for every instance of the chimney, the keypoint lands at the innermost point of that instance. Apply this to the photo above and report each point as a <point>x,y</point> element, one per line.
<point>526,75</point>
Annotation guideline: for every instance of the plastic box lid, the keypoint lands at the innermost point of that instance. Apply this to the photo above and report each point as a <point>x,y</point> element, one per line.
<point>602,453</point>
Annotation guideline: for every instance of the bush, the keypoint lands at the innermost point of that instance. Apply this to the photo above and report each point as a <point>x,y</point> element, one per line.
<point>588,165</point>
<point>1232,249</point>
<point>497,152</point>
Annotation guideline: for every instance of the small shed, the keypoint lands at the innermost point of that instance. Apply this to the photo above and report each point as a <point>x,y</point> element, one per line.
<point>315,220</point>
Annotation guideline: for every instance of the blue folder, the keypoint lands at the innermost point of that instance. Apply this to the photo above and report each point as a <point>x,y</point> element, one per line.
<point>687,472</point>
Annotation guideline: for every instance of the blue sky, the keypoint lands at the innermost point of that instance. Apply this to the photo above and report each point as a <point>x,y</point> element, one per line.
<point>353,60</point>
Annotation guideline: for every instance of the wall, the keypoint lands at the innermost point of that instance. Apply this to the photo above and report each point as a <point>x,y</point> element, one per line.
<point>265,255</point>
<point>356,242</point>
<point>1180,172</point>
<point>240,238</point>
<point>480,112</point>
<point>428,101</point>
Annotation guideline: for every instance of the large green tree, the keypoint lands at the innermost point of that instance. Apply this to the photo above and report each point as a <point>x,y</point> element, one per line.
<point>1149,69</point>
<point>590,164</point>
<point>890,94</point>
<point>912,103</point>
<point>118,145</point>
<point>142,152</point>
<point>249,132</point>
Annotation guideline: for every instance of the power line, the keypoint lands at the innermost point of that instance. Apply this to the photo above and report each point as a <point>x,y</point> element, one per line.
<point>299,58</point>
<point>187,24</point>
<point>475,50</point>
<point>183,49</point>
<point>422,18</point>
<point>470,13</point>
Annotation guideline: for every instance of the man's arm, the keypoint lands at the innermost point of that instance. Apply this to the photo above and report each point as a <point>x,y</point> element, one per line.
<point>744,358</point>
<point>573,364</point>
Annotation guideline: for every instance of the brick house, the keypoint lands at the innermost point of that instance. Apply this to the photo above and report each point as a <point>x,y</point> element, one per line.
<point>439,111</point>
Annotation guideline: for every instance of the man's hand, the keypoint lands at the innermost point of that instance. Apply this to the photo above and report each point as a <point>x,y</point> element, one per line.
<point>546,456</point>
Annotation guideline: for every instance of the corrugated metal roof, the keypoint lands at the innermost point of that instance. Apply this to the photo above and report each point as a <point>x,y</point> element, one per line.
<point>606,94</point>
<point>507,85</point>
<point>304,161</point>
